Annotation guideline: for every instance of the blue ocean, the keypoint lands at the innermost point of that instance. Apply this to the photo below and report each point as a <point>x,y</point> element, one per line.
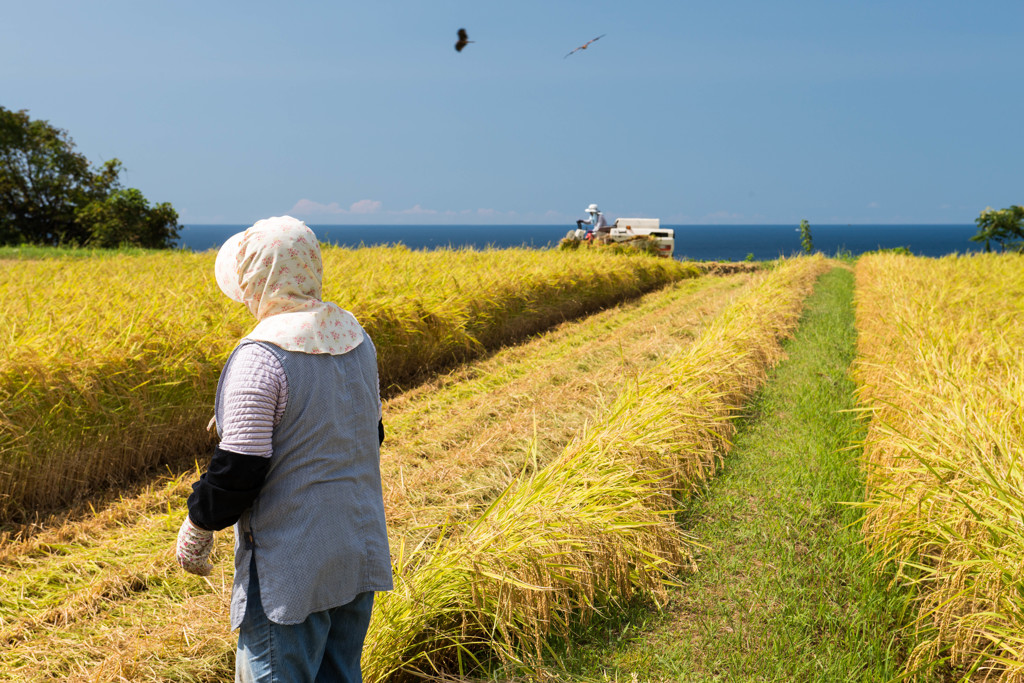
<point>693,242</point>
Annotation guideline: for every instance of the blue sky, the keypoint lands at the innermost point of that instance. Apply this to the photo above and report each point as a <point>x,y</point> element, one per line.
<point>837,111</point>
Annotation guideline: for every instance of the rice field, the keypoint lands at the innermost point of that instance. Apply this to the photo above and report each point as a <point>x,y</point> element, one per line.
<point>109,363</point>
<point>940,371</point>
<point>102,599</point>
<point>532,481</point>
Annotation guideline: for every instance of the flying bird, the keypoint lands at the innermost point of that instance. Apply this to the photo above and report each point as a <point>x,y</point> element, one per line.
<point>463,40</point>
<point>584,45</point>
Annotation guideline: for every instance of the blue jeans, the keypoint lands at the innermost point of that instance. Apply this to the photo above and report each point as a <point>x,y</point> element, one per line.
<point>325,648</point>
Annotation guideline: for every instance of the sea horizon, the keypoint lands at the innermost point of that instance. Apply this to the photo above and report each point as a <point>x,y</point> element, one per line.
<point>734,242</point>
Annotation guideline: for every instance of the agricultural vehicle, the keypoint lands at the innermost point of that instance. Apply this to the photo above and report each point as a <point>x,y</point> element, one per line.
<point>641,233</point>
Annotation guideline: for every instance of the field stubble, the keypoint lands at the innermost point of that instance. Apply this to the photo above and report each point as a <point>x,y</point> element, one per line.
<point>101,598</point>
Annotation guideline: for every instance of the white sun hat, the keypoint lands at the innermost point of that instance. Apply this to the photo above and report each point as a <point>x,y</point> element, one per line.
<point>226,270</point>
<point>276,270</point>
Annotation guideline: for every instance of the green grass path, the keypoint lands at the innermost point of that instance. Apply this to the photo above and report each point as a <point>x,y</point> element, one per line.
<point>783,591</point>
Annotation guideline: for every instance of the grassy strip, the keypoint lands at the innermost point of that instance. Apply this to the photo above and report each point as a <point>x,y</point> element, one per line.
<point>784,591</point>
<point>942,374</point>
<point>87,593</point>
<point>109,364</point>
<point>595,526</point>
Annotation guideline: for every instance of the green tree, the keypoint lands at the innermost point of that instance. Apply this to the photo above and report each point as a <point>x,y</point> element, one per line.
<point>50,194</point>
<point>124,217</point>
<point>1005,227</point>
<point>805,237</point>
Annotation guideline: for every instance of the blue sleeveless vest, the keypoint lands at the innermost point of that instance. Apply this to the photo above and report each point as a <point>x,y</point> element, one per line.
<point>317,526</point>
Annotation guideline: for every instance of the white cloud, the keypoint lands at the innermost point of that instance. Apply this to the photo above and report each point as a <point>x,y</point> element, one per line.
<point>486,212</point>
<point>418,210</point>
<point>365,206</point>
<point>307,207</point>
<point>873,205</point>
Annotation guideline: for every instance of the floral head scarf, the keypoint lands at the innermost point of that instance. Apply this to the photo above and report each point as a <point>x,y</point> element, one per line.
<point>275,269</point>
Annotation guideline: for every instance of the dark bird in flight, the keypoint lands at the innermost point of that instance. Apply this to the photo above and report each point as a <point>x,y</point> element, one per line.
<point>463,40</point>
<point>584,45</point>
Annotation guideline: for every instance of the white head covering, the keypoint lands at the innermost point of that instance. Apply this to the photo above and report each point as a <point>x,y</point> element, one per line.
<point>275,269</point>
<point>593,209</point>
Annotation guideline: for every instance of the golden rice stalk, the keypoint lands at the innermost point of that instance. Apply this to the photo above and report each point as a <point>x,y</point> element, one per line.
<point>110,363</point>
<point>940,373</point>
<point>593,527</point>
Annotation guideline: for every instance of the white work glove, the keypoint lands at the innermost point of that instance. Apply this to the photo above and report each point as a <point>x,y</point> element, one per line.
<point>194,546</point>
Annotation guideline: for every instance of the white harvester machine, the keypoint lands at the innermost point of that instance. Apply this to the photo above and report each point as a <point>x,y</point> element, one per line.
<point>629,229</point>
<point>642,233</point>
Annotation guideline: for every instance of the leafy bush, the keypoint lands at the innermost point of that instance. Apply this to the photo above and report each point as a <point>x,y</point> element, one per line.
<point>805,237</point>
<point>1005,227</point>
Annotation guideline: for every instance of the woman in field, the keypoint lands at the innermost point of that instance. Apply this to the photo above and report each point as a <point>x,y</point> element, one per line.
<point>297,469</point>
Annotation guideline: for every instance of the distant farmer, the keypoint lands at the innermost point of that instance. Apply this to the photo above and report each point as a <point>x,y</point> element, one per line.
<point>595,220</point>
<point>297,469</point>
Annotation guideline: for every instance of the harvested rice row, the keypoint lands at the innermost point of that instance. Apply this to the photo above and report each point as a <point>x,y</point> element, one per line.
<point>464,435</point>
<point>471,426</point>
<point>594,526</point>
<point>109,365</point>
<point>940,371</point>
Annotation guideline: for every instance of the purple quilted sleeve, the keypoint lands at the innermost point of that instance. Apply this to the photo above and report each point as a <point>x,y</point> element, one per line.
<point>254,397</point>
